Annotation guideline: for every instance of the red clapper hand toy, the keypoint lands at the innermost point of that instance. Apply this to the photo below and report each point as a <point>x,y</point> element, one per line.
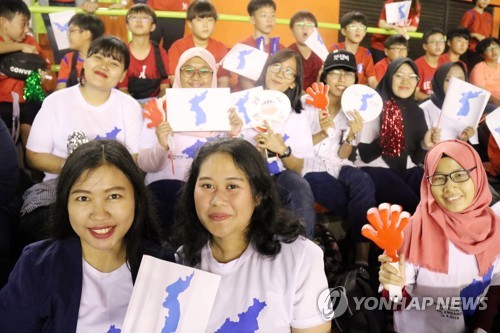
<point>386,230</point>
<point>319,95</point>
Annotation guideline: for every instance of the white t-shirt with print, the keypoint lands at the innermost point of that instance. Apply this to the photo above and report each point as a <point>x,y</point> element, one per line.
<point>268,295</point>
<point>104,301</point>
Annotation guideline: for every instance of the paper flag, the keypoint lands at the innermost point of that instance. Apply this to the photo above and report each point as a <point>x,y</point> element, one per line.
<point>316,44</point>
<point>245,60</point>
<point>60,25</point>
<point>493,122</point>
<point>198,109</point>
<point>241,101</point>
<point>397,11</point>
<point>169,297</point>
<point>463,106</point>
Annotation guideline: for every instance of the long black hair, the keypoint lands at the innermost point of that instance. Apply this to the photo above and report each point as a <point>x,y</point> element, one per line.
<point>293,94</point>
<point>269,224</point>
<point>89,157</point>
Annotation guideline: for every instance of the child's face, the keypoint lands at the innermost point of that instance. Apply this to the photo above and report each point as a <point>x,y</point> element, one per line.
<point>492,53</point>
<point>482,3</point>
<point>101,209</point>
<point>302,30</point>
<point>453,197</point>
<point>202,27</point>
<point>281,76</point>
<point>396,51</point>
<point>435,45</point>
<point>76,37</point>
<point>200,71</point>
<point>264,20</point>
<point>140,24</point>
<point>16,29</point>
<point>339,80</point>
<point>455,71</point>
<point>354,32</point>
<point>102,72</point>
<point>458,45</point>
<point>404,81</point>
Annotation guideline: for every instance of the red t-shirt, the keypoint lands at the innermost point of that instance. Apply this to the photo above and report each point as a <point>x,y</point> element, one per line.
<point>170,5</point>
<point>146,68</point>
<point>8,84</point>
<point>65,67</point>
<point>479,23</point>
<point>444,58</point>
<point>380,68</point>
<point>311,66</point>
<point>494,155</point>
<point>218,50</point>
<point>426,73</point>
<point>364,61</point>
<point>377,40</point>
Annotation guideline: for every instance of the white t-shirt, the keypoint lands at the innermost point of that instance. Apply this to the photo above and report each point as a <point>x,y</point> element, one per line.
<point>326,152</point>
<point>66,111</point>
<point>105,298</point>
<point>462,280</point>
<point>268,295</point>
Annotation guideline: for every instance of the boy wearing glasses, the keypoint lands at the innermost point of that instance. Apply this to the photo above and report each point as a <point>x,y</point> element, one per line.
<point>201,17</point>
<point>147,73</point>
<point>353,28</point>
<point>302,25</point>
<point>434,41</point>
<point>83,29</point>
<point>395,46</point>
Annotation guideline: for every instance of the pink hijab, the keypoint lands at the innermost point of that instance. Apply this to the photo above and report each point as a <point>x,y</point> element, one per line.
<point>191,53</point>
<point>475,230</point>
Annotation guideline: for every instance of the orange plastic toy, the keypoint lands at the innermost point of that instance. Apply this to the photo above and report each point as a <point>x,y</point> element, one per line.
<point>319,95</point>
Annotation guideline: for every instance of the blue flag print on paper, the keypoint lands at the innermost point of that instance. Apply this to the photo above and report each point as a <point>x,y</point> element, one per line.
<point>364,101</point>
<point>241,57</point>
<point>192,150</point>
<point>110,135</point>
<point>402,14</point>
<point>465,102</point>
<point>62,28</point>
<point>241,105</point>
<point>247,320</point>
<point>172,303</point>
<point>320,40</point>
<point>201,117</point>
<point>113,329</point>
<point>497,129</point>
<point>471,293</point>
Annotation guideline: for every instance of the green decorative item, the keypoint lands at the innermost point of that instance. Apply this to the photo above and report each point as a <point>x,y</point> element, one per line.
<point>33,90</point>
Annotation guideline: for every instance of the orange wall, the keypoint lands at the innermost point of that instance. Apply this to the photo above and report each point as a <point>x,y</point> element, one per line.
<point>233,32</point>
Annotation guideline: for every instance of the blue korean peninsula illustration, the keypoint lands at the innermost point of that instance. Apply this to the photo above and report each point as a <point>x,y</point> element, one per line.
<point>247,320</point>
<point>201,117</point>
<point>172,303</point>
<point>465,102</point>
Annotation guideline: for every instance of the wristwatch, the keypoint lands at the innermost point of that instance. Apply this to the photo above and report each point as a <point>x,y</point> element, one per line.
<point>287,153</point>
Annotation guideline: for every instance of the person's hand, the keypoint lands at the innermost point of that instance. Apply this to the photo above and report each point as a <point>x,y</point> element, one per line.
<point>355,123</point>
<point>390,275</point>
<point>325,121</point>
<point>270,140</point>
<point>163,130</point>
<point>89,6</point>
<point>119,5</point>
<point>28,48</point>
<point>319,95</point>
<point>467,133</point>
<point>235,121</point>
<point>387,234</point>
<point>431,137</point>
<point>153,113</point>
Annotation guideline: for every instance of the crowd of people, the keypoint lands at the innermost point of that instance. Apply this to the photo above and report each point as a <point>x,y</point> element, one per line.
<point>118,182</point>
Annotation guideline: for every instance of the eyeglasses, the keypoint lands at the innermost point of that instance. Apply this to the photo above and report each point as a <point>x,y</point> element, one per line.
<point>353,26</point>
<point>70,31</point>
<point>399,49</point>
<point>413,78</point>
<point>304,24</point>
<point>143,19</point>
<point>288,73</point>
<point>459,176</point>
<point>203,72</point>
<point>432,42</point>
<point>337,73</point>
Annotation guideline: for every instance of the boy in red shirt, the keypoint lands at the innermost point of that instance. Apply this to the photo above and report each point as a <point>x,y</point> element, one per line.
<point>457,40</point>
<point>302,25</point>
<point>434,41</point>
<point>396,46</point>
<point>14,28</point>
<point>353,28</point>
<point>201,17</point>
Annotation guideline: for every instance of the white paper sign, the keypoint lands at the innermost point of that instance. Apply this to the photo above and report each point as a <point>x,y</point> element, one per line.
<point>364,99</point>
<point>60,26</point>
<point>463,106</point>
<point>169,297</point>
<point>245,60</point>
<point>269,105</point>
<point>316,44</point>
<point>198,109</point>
<point>241,102</point>
<point>397,11</point>
<point>493,122</point>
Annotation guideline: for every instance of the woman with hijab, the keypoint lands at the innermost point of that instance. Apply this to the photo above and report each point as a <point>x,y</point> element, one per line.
<point>451,244</point>
<point>432,107</point>
<point>167,168</point>
<point>392,147</point>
